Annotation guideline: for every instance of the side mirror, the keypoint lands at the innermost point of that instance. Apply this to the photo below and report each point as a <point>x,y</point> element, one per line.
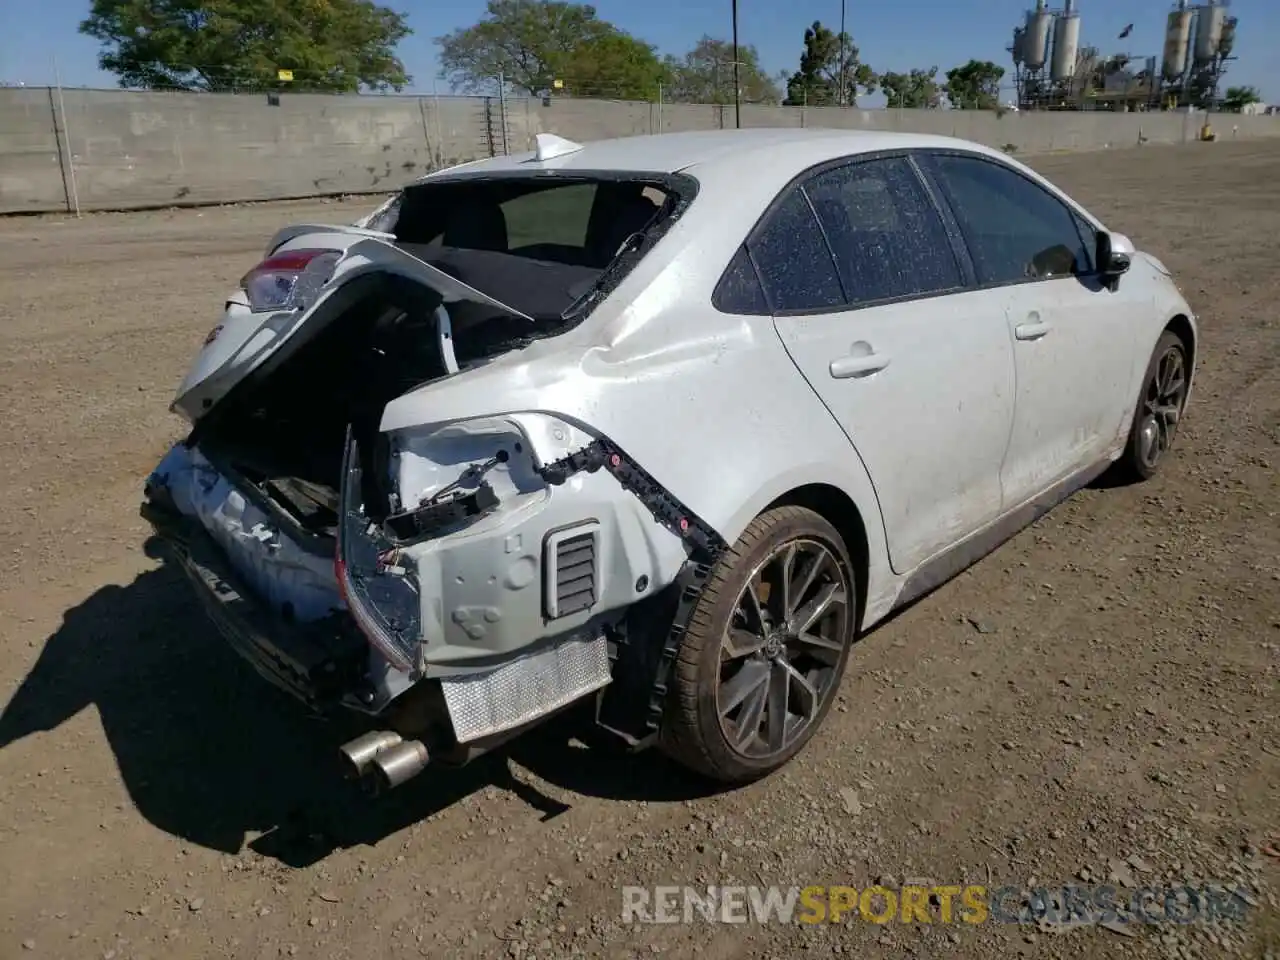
<point>1114,254</point>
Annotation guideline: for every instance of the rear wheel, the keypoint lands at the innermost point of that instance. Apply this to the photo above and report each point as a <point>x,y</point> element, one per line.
<point>1164,394</point>
<point>765,649</point>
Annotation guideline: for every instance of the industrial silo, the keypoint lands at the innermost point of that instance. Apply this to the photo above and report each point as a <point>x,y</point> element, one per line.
<point>1177,39</point>
<point>1209,32</point>
<point>1019,45</point>
<point>1035,41</point>
<point>1066,44</point>
<point>1228,41</point>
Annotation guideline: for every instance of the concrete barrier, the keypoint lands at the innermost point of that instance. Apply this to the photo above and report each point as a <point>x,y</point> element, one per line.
<point>116,149</point>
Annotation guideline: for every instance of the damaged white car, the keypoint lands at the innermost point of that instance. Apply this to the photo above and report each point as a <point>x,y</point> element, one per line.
<point>665,422</point>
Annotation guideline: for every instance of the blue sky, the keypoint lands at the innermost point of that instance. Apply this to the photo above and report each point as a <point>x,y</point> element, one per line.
<point>891,35</point>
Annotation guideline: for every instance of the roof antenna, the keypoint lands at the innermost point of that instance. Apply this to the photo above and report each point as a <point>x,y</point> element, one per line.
<point>548,146</point>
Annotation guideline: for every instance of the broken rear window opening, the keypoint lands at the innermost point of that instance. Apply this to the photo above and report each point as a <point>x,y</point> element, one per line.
<point>547,246</point>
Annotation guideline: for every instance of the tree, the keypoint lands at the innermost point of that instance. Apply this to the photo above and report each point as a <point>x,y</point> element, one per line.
<point>1237,98</point>
<point>534,43</point>
<point>330,45</point>
<point>916,89</point>
<point>819,80</point>
<point>975,86</point>
<point>705,75</point>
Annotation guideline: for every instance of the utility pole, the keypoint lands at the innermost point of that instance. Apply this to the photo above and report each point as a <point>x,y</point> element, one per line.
<point>737,86</point>
<point>840,96</point>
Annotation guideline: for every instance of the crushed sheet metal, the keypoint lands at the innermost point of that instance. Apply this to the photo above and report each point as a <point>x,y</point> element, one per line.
<point>525,688</point>
<point>705,547</point>
<point>281,573</point>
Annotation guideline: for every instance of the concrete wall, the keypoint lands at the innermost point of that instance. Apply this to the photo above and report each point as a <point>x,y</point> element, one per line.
<point>151,149</point>
<point>120,149</point>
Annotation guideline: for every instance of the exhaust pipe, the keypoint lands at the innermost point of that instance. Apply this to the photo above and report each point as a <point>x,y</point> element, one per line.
<point>358,754</point>
<point>394,765</point>
<point>384,756</point>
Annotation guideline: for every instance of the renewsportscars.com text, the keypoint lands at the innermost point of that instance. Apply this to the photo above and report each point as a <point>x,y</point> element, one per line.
<point>932,904</point>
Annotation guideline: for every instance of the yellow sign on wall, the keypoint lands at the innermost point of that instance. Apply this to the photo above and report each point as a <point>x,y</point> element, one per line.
<point>558,84</point>
<point>284,75</point>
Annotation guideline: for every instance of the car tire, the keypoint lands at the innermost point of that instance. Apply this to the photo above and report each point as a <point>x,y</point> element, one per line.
<point>1159,409</point>
<point>751,681</point>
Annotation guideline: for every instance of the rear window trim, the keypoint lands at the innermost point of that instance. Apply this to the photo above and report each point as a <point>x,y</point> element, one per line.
<point>677,182</point>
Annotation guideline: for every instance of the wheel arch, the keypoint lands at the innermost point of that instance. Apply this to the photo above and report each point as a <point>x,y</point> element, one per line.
<point>838,508</point>
<point>840,491</point>
<point>1183,326</point>
<point>1180,325</point>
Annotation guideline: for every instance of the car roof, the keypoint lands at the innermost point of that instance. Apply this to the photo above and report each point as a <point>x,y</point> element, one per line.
<point>781,152</point>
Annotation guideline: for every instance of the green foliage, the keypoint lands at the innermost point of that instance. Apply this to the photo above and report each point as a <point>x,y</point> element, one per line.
<point>975,86</point>
<point>533,43</point>
<point>818,82</point>
<point>917,89</point>
<point>1237,98</point>
<point>330,45</point>
<point>705,75</point>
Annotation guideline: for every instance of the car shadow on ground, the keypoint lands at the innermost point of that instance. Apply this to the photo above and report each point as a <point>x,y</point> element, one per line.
<point>212,754</point>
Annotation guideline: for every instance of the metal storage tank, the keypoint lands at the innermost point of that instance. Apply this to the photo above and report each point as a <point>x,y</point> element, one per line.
<point>1177,39</point>
<point>1035,41</point>
<point>1209,32</point>
<point>1228,37</point>
<point>1019,43</point>
<point>1066,44</point>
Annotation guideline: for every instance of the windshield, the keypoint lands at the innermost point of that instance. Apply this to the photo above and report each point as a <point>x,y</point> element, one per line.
<point>536,242</point>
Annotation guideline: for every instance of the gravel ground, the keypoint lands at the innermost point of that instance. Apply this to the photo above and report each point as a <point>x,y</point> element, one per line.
<point>1095,701</point>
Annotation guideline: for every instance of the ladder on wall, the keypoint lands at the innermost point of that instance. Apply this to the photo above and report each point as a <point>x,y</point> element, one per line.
<point>497,126</point>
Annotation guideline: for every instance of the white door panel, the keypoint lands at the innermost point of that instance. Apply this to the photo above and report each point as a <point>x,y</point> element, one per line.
<point>1071,336</point>
<point>1072,379</point>
<point>925,392</point>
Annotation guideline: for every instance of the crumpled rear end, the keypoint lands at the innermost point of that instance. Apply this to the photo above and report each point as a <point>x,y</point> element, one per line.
<point>296,584</point>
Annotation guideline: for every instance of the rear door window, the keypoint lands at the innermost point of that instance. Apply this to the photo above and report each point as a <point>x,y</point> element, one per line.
<point>888,239</point>
<point>794,261</point>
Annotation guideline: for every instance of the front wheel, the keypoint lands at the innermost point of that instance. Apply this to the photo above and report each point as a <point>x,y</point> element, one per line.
<point>1164,395</point>
<point>765,649</point>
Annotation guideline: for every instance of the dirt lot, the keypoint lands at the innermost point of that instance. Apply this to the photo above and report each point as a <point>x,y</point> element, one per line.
<point>1095,700</point>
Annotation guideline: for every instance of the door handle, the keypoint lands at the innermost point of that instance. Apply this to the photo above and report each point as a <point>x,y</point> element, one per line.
<point>1033,329</point>
<point>858,365</point>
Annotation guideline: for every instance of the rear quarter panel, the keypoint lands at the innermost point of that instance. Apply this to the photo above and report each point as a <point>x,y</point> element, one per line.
<point>709,404</point>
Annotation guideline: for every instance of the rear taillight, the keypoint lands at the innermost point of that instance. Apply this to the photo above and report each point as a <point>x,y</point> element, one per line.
<point>289,281</point>
<point>372,631</point>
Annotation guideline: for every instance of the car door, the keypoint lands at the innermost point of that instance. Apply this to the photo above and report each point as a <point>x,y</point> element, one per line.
<point>1071,333</point>
<point>871,301</point>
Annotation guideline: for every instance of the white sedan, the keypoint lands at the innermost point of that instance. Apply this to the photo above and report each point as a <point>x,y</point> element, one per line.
<point>663,422</point>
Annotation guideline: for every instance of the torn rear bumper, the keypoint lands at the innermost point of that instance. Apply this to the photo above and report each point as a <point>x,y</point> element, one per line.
<point>320,663</point>
<point>324,663</point>
<point>496,623</point>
